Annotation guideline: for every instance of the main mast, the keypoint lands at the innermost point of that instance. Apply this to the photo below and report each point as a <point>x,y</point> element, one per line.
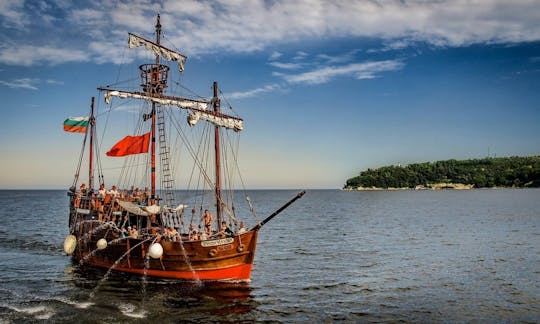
<point>217,105</point>
<point>155,88</point>
<point>154,82</point>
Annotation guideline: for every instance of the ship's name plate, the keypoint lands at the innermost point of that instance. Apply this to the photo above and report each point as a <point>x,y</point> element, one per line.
<point>224,241</point>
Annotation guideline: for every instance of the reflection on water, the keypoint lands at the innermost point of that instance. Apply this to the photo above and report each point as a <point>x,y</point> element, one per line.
<point>158,299</point>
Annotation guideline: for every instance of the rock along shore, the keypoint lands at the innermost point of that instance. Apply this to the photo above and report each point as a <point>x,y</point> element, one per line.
<point>432,186</point>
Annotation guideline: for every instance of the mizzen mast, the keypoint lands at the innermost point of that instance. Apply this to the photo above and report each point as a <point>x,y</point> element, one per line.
<point>216,103</point>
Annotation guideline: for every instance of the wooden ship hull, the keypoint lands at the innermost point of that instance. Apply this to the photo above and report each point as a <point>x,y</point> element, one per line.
<point>190,260</point>
<point>229,261</point>
<point>225,258</point>
<point>228,258</point>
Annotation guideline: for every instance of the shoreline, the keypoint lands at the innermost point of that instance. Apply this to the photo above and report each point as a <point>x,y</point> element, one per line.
<point>434,186</point>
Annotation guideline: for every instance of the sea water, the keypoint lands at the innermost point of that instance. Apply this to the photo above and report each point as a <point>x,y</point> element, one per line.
<point>414,256</point>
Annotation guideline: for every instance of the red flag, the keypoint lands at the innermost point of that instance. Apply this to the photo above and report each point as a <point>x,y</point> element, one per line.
<point>131,145</point>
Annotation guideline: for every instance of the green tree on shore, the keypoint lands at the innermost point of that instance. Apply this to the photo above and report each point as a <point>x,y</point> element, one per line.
<point>514,171</point>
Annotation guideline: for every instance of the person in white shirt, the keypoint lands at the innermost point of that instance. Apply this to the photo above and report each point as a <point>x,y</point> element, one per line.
<point>241,229</point>
<point>101,191</point>
<point>113,192</point>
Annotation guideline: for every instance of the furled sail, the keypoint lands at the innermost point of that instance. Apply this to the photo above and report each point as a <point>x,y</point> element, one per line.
<point>219,120</point>
<point>163,100</point>
<point>136,41</point>
<point>132,208</point>
<point>198,108</point>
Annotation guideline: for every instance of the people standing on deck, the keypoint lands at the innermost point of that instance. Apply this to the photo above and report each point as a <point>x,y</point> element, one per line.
<point>193,233</point>
<point>113,192</point>
<point>207,217</point>
<point>242,229</point>
<point>133,232</point>
<point>173,234</point>
<point>138,195</point>
<point>80,194</point>
<point>82,189</point>
<point>224,230</point>
<point>146,196</point>
<point>166,233</point>
<point>101,192</point>
<point>124,232</point>
<point>99,201</point>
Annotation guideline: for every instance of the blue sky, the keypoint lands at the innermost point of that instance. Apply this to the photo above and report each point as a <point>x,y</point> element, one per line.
<point>326,88</point>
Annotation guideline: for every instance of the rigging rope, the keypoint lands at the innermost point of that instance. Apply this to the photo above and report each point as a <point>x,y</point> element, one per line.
<point>236,149</point>
<point>76,178</point>
<point>190,91</point>
<point>200,154</point>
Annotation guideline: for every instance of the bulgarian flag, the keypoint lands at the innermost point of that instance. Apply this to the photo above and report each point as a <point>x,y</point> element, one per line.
<point>76,124</point>
<point>130,145</point>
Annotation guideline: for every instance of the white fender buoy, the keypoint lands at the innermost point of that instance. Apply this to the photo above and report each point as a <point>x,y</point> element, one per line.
<point>156,251</point>
<point>69,244</point>
<point>101,243</point>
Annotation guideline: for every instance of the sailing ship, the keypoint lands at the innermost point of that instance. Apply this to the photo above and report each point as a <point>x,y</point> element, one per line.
<point>162,231</point>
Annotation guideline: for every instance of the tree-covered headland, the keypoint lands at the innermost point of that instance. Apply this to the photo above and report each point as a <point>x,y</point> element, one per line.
<point>516,172</point>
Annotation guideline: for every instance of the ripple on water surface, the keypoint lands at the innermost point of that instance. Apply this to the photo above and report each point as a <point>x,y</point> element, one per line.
<point>333,256</point>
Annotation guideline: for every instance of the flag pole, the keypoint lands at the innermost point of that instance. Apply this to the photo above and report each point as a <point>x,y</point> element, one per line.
<point>91,155</point>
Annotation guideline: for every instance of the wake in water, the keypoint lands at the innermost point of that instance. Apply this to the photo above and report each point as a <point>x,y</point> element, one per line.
<point>130,310</point>
<point>37,312</point>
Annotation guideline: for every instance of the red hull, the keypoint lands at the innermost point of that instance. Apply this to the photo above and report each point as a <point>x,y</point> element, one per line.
<point>238,272</point>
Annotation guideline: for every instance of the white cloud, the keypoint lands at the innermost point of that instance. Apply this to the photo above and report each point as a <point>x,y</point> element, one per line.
<point>114,52</point>
<point>252,92</point>
<point>87,16</point>
<point>286,66</point>
<point>11,13</point>
<point>240,26</point>
<point>136,16</point>
<point>365,70</point>
<point>275,55</point>
<point>27,55</point>
<point>23,83</point>
<point>191,8</point>
<point>300,56</point>
<point>199,27</point>
<point>51,81</point>
<point>392,45</point>
<point>28,83</point>
<point>332,59</point>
